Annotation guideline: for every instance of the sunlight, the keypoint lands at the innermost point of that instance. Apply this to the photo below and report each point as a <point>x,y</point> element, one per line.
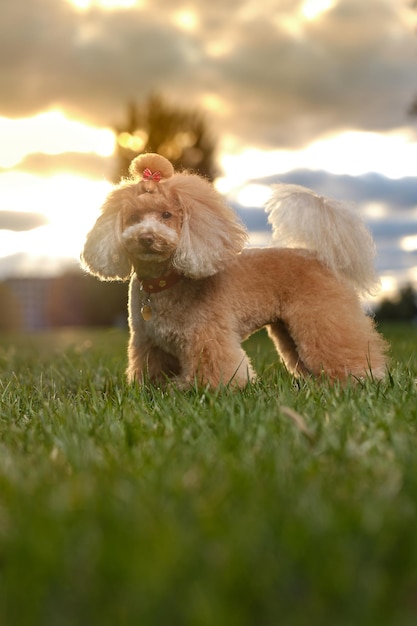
<point>83,5</point>
<point>409,243</point>
<point>375,210</point>
<point>50,133</point>
<point>45,241</point>
<point>291,24</point>
<point>360,152</point>
<point>213,102</point>
<point>312,9</point>
<point>389,286</point>
<point>135,142</point>
<point>253,195</point>
<point>352,153</point>
<point>70,203</point>
<point>186,20</point>
<point>218,49</point>
<point>412,275</point>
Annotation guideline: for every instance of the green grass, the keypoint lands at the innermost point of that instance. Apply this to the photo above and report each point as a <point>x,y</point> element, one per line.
<point>284,504</point>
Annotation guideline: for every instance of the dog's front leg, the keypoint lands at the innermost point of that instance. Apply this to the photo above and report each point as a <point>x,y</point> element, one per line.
<point>149,363</point>
<point>214,361</point>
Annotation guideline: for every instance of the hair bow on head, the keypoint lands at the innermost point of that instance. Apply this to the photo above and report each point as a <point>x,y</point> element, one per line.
<point>149,175</point>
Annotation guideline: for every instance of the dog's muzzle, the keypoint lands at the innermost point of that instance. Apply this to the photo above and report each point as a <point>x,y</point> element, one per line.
<point>139,241</point>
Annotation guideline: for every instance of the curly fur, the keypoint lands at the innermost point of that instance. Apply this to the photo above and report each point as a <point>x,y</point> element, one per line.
<point>305,294</point>
<point>301,218</point>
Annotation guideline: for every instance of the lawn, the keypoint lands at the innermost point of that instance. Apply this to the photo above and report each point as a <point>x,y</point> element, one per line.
<point>284,504</point>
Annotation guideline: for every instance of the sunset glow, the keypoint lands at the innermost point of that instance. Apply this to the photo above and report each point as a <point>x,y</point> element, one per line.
<point>70,205</point>
<point>51,132</point>
<point>186,20</point>
<point>357,153</point>
<point>105,4</point>
<point>312,9</point>
<point>409,244</point>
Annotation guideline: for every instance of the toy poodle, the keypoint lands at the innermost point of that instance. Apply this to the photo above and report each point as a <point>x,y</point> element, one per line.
<point>196,292</point>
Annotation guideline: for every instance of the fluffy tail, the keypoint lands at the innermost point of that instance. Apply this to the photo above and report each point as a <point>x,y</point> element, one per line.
<point>301,218</point>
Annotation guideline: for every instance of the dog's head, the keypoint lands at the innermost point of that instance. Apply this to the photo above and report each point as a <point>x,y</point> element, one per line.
<point>158,217</point>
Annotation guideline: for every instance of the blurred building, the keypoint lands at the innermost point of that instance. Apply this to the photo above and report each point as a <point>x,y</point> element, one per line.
<point>29,297</point>
<point>73,299</point>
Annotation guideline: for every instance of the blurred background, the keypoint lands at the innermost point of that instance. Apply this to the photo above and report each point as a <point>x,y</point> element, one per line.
<point>321,93</point>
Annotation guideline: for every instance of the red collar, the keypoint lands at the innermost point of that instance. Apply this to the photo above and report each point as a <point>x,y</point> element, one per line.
<point>154,285</point>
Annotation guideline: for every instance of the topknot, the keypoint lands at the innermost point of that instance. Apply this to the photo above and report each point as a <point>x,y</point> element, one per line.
<point>151,166</point>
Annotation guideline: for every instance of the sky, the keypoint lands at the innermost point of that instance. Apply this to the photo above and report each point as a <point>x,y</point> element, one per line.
<point>315,92</point>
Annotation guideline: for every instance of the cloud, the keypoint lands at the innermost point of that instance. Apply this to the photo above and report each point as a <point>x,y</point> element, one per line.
<point>89,63</point>
<point>86,165</point>
<point>30,265</point>
<point>21,221</point>
<point>354,68</point>
<point>398,193</point>
<point>389,227</point>
<point>282,81</point>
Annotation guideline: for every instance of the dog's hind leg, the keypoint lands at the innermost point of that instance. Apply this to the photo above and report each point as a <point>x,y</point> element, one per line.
<point>338,341</point>
<point>286,348</point>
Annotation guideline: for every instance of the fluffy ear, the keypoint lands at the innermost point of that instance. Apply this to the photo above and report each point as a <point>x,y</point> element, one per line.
<point>103,254</point>
<point>211,233</point>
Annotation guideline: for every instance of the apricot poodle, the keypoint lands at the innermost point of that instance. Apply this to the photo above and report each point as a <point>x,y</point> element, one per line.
<point>196,292</point>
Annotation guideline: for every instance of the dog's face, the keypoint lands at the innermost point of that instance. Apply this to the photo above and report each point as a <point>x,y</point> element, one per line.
<point>151,227</point>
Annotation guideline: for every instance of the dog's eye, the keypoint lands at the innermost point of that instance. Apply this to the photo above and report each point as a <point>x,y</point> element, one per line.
<point>166,215</point>
<point>133,218</point>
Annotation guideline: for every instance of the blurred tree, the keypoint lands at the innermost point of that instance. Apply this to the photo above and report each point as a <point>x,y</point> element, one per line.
<point>180,135</point>
<point>403,308</point>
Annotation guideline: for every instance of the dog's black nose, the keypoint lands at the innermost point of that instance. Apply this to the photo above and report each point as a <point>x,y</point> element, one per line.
<point>146,239</point>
